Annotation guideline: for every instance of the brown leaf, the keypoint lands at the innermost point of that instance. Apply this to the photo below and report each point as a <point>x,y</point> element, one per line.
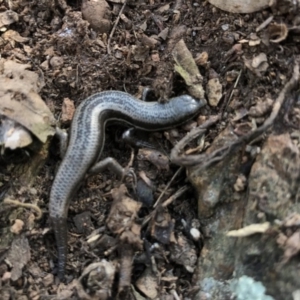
<point>20,100</point>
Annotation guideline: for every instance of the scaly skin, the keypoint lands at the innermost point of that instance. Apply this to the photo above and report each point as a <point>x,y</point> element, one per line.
<point>87,139</point>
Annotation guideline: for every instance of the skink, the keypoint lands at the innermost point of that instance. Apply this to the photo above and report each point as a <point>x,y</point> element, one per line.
<point>87,140</point>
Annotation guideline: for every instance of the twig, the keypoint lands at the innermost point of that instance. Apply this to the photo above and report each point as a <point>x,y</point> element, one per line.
<point>114,28</point>
<point>130,170</point>
<point>179,192</point>
<point>264,24</point>
<point>169,200</point>
<point>232,92</point>
<point>176,156</point>
<point>26,205</point>
<point>167,186</point>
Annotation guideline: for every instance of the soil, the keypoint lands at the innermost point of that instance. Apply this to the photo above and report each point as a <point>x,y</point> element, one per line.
<point>179,249</point>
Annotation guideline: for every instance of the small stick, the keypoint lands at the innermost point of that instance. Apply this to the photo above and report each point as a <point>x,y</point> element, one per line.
<point>26,205</point>
<point>175,196</point>
<point>167,186</point>
<point>114,28</point>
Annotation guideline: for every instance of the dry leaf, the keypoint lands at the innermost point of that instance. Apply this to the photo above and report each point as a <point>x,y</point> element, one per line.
<point>148,283</point>
<point>241,7</point>
<point>202,59</point>
<point>12,135</point>
<point>8,17</point>
<point>259,60</point>
<point>258,65</point>
<point>186,67</point>
<point>17,227</point>
<point>20,100</point>
<point>214,91</point>
<point>11,35</point>
<point>68,110</point>
<point>163,8</point>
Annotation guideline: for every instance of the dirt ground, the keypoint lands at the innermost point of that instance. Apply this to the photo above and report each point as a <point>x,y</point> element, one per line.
<point>217,220</point>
